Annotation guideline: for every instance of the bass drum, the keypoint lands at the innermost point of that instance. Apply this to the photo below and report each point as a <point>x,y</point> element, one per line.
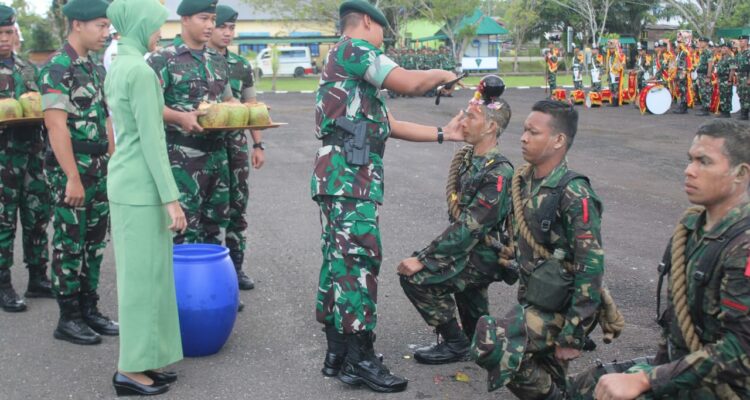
<point>735,101</point>
<point>656,99</point>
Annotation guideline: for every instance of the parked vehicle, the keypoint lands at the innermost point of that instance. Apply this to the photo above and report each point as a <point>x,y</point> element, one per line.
<point>294,61</point>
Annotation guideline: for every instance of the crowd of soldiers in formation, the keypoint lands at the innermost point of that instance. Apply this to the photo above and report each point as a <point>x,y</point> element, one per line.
<point>699,74</point>
<point>422,59</point>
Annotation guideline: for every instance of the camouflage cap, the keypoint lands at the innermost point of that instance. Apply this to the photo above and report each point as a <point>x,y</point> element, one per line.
<point>363,7</point>
<point>192,7</point>
<point>225,14</point>
<point>7,15</point>
<point>85,10</point>
<point>499,346</point>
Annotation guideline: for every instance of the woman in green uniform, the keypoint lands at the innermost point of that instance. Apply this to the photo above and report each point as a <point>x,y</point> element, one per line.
<point>144,206</point>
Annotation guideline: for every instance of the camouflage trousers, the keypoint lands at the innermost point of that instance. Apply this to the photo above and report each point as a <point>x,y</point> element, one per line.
<point>614,88</point>
<point>239,172</point>
<point>581,386</point>
<point>437,302</point>
<point>203,181</point>
<point>348,285</point>
<point>743,91</point>
<point>705,90</point>
<point>79,240</point>
<point>725,97</point>
<point>596,86</point>
<point>25,195</point>
<point>682,87</point>
<point>552,80</point>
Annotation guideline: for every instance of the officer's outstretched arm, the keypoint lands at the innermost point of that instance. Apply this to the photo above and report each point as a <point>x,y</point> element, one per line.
<point>414,132</point>
<point>416,83</point>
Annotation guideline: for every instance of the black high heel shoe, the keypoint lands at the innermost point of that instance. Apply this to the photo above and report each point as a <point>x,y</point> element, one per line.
<point>161,376</point>
<point>125,386</point>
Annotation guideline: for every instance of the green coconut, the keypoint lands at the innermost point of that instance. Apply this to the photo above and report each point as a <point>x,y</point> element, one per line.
<point>31,103</point>
<point>258,114</point>
<point>214,115</point>
<point>10,109</point>
<point>238,114</point>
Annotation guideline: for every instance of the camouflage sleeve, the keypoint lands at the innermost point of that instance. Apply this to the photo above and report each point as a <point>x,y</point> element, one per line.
<point>487,209</point>
<point>367,62</point>
<point>158,63</point>
<point>582,217</point>
<point>728,359</point>
<point>53,85</point>
<point>248,83</point>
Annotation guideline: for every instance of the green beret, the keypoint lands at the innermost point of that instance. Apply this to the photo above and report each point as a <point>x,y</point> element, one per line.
<point>192,7</point>
<point>363,7</point>
<point>85,10</point>
<point>7,15</point>
<point>225,14</point>
<point>745,37</point>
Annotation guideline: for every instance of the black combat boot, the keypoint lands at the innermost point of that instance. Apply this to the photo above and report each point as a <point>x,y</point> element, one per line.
<point>336,352</point>
<point>72,327</point>
<point>681,109</point>
<point>744,114</point>
<point>453,348</point>
<point>725,114</point>
<point>244,281</point>
<point>554,393</point>
<point>589,344</point>
<point>362,366</point>
<point>703,112</point>
<point>9,299</point>
<point>96,320</point>
<point>39,285</point>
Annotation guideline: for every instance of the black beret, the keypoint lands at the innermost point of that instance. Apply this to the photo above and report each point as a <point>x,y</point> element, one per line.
<point>746,37</point>
<point>7,15</point>
<point>192,7</point>
<point>363,7</point>
<point>85,10</point>
<point>704,39</point>
<point>225,14</point>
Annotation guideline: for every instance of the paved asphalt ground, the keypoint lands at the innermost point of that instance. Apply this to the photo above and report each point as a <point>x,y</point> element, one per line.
<point>635,163</point>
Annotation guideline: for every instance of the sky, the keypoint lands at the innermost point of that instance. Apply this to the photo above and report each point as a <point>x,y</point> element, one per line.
<point>37,6</point>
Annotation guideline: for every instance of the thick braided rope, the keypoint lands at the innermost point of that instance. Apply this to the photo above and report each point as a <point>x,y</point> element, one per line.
<point>451,188</point>
<point>678,286</point>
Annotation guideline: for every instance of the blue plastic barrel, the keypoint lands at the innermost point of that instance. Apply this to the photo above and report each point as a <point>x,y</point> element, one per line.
<point>207,297</point>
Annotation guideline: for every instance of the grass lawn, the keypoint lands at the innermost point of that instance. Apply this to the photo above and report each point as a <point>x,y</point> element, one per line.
<point>311,83</point>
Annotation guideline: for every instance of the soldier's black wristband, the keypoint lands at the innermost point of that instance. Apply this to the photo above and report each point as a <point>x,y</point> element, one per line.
<point>439,135</point>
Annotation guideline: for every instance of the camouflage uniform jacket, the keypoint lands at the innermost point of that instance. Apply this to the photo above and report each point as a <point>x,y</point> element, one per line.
<point>76,85</point>
<point>240,74</point>
<point>479,232</point>
<point>742,60</point>
<point>17,77</point>
<point>350,86</point>
<point>725,357</point>
<point>724,66</point>
<point>576,231</point>
<point>705,58</point>
<point>189,78</point>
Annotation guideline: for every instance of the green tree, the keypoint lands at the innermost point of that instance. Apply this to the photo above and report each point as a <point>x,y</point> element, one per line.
<point>521,16</point>
<point>703,15</point>
<point>42,38</point>
<point>449,13</point>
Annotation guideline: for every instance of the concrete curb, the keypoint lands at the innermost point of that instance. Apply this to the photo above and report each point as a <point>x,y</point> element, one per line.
<point>467,88</point>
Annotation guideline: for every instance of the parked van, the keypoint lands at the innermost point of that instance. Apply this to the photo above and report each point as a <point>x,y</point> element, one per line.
<point>294,61</point>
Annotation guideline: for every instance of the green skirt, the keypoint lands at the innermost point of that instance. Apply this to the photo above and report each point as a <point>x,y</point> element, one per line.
<point>147,304</point>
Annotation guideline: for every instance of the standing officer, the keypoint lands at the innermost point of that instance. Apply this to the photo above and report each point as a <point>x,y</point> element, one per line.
<point>743,77</point>
<point>705,88</point>
<point>75,113</point>
<point>25,190</point>
<point>597,63</point>
<point>556,223</point>
<point>455,270</point>
<point>615,71</point>
<point>241,82</point>
<point>704,351</point>
<point>192,73</point>
<point>684,66</point>
<point>551,59</point>
<point>724,73</point>
<point>353,124</point>
<point>644,66</point>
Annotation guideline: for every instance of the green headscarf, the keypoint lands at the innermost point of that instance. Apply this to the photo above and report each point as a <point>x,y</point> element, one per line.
<point>137,20</point>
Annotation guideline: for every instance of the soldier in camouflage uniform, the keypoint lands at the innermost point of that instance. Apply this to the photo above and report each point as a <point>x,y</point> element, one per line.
<point>192,73</point>
<point>463,261</point>
<point>353,124</point>
<point>24,186</point>
<point>684,68</point>
<point>75,114</point>
<point>530,349</point>
<point>241,82</point>
<point>551,57</point>
<point>724,73</point>
<point>717,267</point>
<point>705,87</point>
<point>743,77</point>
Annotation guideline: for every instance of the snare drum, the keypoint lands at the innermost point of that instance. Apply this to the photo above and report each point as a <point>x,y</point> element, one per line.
<point>594,99</point>
<point>655,99</point>
<point>578,96</point>
<point>606,96</point>
<point>560,95</point>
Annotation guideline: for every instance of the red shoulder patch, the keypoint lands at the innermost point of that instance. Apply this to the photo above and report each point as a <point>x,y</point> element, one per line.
<point>735,305</point>
<point>485,204</point>
<point>499,183</point>
<point>585,203</point>
<point>55,91</point>
<point>747,266</point>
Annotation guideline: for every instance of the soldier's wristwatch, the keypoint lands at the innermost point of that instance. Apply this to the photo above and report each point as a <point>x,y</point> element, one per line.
<point>259,145</point>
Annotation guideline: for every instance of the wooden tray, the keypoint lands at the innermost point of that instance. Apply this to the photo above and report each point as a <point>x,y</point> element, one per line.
<point>239,128</point>
<point>21,122</point>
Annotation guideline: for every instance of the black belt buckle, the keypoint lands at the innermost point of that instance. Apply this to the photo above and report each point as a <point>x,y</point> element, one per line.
<point>699,276</point>
<point>546,225</point>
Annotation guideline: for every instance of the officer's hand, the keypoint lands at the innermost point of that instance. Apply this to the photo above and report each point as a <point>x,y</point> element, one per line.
<point>621,386</point>
<point>179,222</point>
<point>566,353</point>
<point>409,266</point>
<point>452,131</point>
<point>75,194</point>
<point>447,77</point>
<point>189,121</point>
<point>258,158</point>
